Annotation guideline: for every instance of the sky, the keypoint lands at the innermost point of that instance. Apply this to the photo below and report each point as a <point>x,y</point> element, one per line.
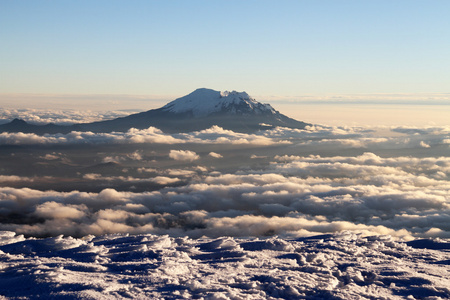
<point>267,48</point>
<point>336,64</point>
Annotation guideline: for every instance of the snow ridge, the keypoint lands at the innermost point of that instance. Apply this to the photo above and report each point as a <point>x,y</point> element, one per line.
<point>203,102</point>
<point>340,266</point>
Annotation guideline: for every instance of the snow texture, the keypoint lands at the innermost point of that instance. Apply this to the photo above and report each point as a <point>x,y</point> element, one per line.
<point>340,266</point>
<point>203,102</point>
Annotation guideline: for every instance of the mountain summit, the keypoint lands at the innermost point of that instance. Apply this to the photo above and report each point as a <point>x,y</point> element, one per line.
<point>198,110</point>
<point>203,102</point>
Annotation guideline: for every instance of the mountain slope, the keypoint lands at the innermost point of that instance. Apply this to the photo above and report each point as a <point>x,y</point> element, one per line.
<point>199,110</point>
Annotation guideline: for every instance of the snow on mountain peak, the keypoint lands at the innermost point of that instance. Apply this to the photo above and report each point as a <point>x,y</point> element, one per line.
<point>203,102</point>
<point>235,94</point>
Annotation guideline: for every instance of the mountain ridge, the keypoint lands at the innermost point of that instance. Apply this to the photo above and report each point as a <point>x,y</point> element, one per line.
<point>202,102</point>
<point>201,109</point>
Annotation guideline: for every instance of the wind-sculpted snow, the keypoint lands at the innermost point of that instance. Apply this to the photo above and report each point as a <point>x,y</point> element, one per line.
<point>340,266</point>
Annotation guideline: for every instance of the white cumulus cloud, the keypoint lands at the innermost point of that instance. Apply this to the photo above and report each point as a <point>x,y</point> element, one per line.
<point>184,155</point>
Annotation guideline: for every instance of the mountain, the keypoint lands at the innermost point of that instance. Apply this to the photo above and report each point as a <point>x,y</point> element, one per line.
<point>204,102</point>
<point>18,125</point>
<point>199,110</point>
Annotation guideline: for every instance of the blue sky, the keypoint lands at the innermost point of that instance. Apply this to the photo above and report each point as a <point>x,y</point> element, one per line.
<point>281,48</point>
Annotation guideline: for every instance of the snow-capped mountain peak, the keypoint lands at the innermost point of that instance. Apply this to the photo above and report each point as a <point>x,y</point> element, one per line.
<point>199,110</point>
<point>203,102</point>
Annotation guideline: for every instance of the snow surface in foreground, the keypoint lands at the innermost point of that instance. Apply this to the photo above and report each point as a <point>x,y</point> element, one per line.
<point>340,266</point>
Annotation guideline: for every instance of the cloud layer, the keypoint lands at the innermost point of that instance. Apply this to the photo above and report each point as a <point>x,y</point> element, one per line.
<point>312,138</point>
<point>213,135</point>
<point>293,196</point>
<point>61,117</point>
<point>277,182</point>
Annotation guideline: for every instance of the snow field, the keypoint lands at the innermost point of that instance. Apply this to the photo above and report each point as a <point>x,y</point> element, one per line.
<point>340,266</point>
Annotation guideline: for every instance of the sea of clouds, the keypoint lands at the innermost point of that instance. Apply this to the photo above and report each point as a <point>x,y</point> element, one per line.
<point>61,117</point>
<point>303,182</point>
